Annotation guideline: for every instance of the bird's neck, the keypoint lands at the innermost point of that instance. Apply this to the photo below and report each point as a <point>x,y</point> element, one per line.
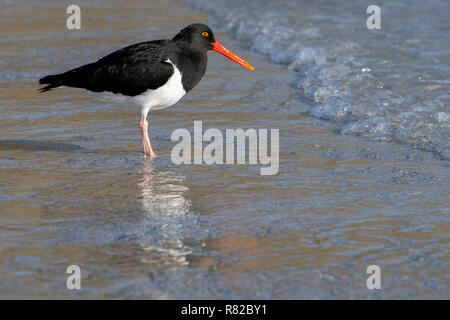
<point>192,66</point>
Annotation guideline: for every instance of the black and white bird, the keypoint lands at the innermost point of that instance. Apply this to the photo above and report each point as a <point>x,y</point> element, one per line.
<point>152,75</point>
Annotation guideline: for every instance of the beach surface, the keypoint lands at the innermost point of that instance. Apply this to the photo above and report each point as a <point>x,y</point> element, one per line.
<point>75,188</point>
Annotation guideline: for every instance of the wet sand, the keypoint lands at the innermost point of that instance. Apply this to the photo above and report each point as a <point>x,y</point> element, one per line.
<point>76,189</point>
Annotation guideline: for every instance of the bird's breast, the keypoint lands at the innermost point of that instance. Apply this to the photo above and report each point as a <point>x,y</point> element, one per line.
<point>166,95</point>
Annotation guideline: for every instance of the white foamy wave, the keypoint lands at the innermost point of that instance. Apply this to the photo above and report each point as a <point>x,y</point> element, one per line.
<point>390,84</point>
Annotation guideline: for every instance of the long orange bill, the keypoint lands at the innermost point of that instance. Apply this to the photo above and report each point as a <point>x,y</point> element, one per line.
<point>230,55</point>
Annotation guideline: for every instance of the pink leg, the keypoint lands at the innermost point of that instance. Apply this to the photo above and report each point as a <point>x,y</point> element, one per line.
<point>148,151</point>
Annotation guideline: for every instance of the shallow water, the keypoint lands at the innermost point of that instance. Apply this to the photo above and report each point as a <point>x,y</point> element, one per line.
<point>75,188</point>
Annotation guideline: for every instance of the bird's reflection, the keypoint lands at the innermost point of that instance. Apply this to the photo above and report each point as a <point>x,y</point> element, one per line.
<point>166,219</point>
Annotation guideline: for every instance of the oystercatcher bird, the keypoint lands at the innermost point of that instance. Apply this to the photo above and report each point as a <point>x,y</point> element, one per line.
<point>152,75</point>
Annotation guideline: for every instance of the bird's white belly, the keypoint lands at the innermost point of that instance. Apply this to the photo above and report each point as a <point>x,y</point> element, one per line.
<point>165,96</point>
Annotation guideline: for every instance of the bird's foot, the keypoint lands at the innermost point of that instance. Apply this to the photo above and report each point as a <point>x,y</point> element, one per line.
<point>148,151</point>
<point>150,155</point>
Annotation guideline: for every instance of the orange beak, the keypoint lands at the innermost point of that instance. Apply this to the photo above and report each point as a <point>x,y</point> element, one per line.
<point>230,55</point>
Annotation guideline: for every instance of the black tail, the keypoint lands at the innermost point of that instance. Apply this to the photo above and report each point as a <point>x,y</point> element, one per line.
<point>53,81</point>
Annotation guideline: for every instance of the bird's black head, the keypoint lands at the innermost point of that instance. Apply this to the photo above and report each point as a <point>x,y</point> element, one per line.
<point>196,36</point>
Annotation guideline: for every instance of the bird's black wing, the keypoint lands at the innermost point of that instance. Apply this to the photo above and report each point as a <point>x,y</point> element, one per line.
<point>130,71</point>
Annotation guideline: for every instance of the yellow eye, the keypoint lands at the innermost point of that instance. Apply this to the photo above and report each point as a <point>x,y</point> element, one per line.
<point>205,34</point>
